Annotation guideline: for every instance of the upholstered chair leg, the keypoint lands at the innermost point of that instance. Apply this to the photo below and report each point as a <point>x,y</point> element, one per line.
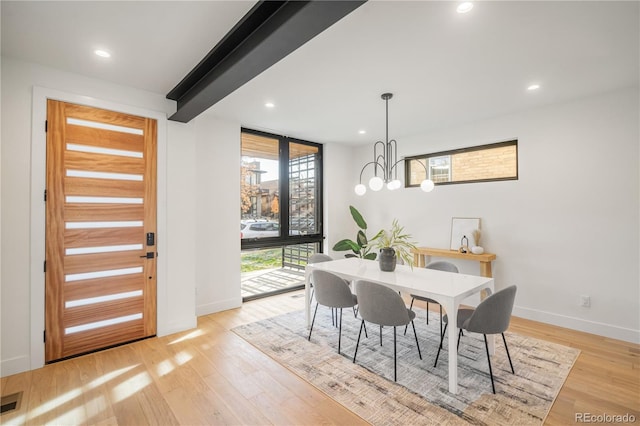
<point>358,342</point>
<point>355,314</point>
<point>427,313</point>
<point>486,346</point>
<point>459,338</point>
<point>508,356</point>
<point>410,306</point>
<point>380,335</point>
<point>340,331</point>
<point>314,320</point>
<point>312,292</point>
<point>435,364</point>
<point>440,319</point>
<point>395,371</point>
<point>416,334</point>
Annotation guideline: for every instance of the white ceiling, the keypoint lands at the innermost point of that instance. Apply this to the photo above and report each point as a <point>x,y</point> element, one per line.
<point>444,68</point>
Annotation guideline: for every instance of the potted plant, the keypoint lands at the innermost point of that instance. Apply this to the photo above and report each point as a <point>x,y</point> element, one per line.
<point>393,244</point>
<point>359,247</point>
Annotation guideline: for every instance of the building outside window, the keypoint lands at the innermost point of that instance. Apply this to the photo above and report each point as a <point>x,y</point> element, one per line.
<point>484,163</point>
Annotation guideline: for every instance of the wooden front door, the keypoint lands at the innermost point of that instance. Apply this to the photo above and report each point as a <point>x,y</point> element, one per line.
<point>100,271</point>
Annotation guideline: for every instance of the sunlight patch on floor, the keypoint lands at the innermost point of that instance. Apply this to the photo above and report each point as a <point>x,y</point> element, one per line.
<point>74,416</point>
<point>183,357</point>
<point>95,406</point>
<point>130,386</point>
<point>164,368</point>
<point>73,394</point>
<point>109,376</point>
<point>55,402</point>
<point>192,335</point>
<point>19,420</point>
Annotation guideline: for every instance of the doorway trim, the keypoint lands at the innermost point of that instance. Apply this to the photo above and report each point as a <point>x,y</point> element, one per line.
<point>38,209</point>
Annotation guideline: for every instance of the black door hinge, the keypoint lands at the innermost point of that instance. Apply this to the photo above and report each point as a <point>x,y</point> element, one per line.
<point>44,336</point>
<point>45,195</point>
<point>45,266</point>
<point>46,126</point>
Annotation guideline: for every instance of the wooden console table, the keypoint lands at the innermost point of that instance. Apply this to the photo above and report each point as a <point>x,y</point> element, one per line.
<point>485,258</point>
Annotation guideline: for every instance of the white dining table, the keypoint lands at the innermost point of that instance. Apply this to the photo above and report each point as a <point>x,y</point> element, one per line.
<point>447,288</point>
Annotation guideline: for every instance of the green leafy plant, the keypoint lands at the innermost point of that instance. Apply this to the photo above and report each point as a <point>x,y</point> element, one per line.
<point>360,247</point>
<point>396,239</point>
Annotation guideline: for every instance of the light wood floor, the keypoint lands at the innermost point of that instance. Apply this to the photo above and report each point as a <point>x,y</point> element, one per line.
<point>211,376</point>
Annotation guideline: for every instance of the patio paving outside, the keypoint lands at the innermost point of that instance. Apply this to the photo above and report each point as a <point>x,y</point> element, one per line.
<point>268,280</point>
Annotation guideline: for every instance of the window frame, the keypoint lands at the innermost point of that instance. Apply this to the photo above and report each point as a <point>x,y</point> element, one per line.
<point>407,160</point>
<point>283,186</point>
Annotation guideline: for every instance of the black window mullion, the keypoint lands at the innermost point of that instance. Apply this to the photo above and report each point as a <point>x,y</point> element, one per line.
<point>284,187</point>
<point>318,195</point>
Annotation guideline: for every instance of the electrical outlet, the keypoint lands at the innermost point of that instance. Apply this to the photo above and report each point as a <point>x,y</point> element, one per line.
<point>585,301</point>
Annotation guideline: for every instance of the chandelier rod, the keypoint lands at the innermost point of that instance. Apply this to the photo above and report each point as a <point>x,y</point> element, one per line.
<point>389,159</point>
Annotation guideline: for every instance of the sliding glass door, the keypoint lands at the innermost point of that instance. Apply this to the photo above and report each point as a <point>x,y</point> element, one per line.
<point>281,211</point>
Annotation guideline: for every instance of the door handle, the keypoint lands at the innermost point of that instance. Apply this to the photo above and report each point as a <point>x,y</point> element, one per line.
<point>149,255</point>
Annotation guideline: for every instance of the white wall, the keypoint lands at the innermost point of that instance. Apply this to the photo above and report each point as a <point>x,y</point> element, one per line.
<point>217,219</point>
<point>338,166</point>
<point>181,232</point>
<point>568,227</point>
<point>22,280</point>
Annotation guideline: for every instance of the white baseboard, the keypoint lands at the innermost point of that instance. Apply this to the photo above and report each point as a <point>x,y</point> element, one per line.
<point>178,326</point>
<point>222,305</point>
<point>593,327</point>
<point>15,365</point>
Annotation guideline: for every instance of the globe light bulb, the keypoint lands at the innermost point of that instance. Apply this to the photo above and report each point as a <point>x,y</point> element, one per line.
<point>464,7</point>
<point>360,189</point>
<point>427,185</point>
<point>397,184</point>
<point>390,185</point>
<point>376,183</point>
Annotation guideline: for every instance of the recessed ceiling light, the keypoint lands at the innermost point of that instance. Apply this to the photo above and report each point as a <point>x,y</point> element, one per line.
<point>533,87</point>
<point>464,7</point>
<point>102,53</point>
<point>362,132</point>
<point>269,105</point>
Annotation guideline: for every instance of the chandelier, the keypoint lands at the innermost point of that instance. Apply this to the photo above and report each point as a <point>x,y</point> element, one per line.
<point>385,161</point>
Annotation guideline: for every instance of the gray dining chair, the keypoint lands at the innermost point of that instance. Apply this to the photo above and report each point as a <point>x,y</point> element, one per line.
<point>438,266</point>
<point>383,306</point>
<point>491,316</point>
<point>317,258</point>
<point>333,292</point>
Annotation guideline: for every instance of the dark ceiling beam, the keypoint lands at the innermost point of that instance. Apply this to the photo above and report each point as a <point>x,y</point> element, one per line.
<point>267,33</point>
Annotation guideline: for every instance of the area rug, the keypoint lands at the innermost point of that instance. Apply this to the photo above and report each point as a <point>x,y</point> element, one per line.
<point>420,396</point>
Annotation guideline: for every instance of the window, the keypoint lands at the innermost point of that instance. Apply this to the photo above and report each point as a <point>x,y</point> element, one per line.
<point>302,189</point>
<point>260,181</point>
<point>485,163</point>
<point>281,211</point>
